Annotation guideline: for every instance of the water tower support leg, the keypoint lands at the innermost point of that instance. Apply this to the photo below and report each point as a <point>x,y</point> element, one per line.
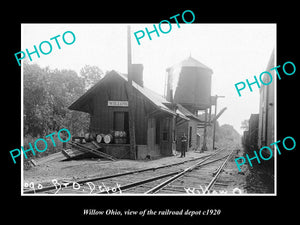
<point>204,147</point>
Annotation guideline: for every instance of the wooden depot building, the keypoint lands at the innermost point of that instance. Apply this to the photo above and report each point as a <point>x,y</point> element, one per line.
<point>155,117</point>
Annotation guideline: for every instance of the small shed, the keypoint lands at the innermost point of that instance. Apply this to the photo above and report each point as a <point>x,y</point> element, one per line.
<point>189,128</point>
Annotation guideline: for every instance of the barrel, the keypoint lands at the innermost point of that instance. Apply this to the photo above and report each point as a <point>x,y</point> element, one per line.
<point>92,136</point>
<point>119,137</point>
<point>108,138</point>
<point>87,136</point>
<point>115,133</point>
<point>118,133</point>
<point>123,134</point>
<point>99,138</point>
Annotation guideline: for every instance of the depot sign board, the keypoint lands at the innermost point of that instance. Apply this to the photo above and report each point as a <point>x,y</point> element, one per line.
<point>117,103</point>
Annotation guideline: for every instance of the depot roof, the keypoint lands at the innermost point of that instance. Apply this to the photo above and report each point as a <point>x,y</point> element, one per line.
<point>159,101</point>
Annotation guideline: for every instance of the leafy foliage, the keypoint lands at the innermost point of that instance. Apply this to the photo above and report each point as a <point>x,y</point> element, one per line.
<point>91,75</point>
<point>47,95</point>
<point>224,132</point>
<point>245,125</point>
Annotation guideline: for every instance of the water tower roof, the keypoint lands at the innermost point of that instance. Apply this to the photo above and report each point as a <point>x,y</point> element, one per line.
<point>190,62</point>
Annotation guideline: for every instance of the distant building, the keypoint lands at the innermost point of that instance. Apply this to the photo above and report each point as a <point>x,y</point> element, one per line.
<point>266,108</point>
<point>189,128</point>
<point>253,131</point>
<point>261,126</point>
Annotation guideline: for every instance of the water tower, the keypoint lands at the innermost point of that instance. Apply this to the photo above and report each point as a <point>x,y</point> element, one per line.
<point>189,84</point>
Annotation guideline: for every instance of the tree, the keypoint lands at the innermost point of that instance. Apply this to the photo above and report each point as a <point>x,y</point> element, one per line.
<point>47,95</point>
<point>245,125</point>
<point>34,99</point>
<point>91,75</point>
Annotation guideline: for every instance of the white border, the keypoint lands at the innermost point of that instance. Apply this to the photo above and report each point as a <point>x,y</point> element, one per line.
<point>22,111</point>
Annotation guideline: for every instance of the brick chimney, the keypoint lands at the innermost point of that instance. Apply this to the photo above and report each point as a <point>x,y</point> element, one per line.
<point>137,74</point>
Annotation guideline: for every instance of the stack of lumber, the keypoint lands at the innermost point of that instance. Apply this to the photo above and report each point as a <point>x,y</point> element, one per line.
<point>78,150</point>
<point>49,158</point>
<point>82,149</point>
<point>71,153</point>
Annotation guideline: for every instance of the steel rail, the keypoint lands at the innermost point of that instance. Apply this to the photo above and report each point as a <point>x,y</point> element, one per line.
<point>138,183</point>
<point>149,180</point>
<point>180,174</point>
<point>212,182</point>
<point>82,181</point>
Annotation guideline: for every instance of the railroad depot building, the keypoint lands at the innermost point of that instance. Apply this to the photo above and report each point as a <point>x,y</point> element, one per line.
<point>107,104</point>
<point>159,123</point>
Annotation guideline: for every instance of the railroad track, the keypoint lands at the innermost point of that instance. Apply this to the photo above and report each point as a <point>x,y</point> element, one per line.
<point>146,181</point>
<point>193,178</point>
<point>172,183</point>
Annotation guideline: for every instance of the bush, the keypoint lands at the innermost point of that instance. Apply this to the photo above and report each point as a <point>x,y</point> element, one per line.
<point>40,145</point>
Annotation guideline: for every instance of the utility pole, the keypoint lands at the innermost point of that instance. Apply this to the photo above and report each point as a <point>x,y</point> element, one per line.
<point>215,121</point>
<point>204,147</point>
<point>131,102</point>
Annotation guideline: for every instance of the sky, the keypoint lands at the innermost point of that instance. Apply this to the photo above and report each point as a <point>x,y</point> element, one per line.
<point>235,52</point>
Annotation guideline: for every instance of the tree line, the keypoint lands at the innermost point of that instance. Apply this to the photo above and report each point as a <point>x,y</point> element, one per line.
<point>48,93</point>
<point>223,132</point>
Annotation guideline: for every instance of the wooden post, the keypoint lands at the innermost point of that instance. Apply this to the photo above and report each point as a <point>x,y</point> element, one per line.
<point>204,147</point>
<point>173,131</point>
<point>215,120</point>
<point>214,132</point>
<point>131,102</point>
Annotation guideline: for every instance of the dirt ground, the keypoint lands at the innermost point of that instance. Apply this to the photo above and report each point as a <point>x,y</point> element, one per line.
<point>258,179</point>
<point>231,176</point>
<point>248,181</point>
<point>79,169</point>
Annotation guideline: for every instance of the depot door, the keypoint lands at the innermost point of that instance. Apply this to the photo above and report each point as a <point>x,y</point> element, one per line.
<point>121,121</point>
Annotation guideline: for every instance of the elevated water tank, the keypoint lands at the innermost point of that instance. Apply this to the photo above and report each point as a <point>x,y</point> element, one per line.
<point>189,84</point>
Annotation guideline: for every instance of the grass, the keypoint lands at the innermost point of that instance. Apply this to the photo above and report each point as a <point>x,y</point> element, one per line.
<point>28,139</point>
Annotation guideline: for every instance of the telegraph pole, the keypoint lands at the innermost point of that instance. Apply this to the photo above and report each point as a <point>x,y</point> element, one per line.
<point>215,121</point>
<point>204,147</point>
<point>131,102</point>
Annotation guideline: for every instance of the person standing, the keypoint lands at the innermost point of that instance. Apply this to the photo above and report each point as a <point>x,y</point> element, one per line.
<point>183,145</point>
